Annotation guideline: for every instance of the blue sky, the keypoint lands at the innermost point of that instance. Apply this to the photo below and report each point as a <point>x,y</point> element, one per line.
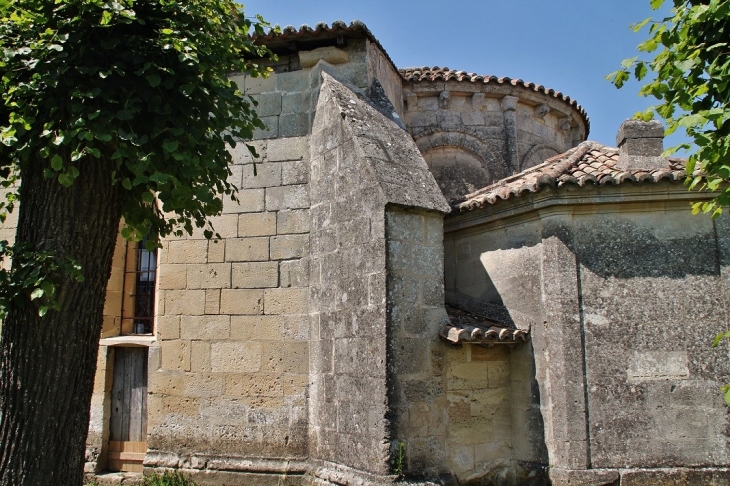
<point>567,45</point>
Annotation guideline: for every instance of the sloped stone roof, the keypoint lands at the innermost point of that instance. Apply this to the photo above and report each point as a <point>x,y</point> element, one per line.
<point>472,328</point>
<point>436,73</point>
<point>392,158</point>
<point>589,162</point>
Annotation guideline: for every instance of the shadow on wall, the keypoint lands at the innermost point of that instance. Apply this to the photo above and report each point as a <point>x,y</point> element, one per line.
<point>501,270</point>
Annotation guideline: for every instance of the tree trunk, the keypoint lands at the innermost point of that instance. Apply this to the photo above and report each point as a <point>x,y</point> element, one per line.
<point>47,364</point>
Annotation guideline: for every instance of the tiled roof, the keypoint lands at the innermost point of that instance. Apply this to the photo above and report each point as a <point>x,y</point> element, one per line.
<point>471,328</point>
<point>445,74</point>
<point>322,30</point>
<point>588,162</point>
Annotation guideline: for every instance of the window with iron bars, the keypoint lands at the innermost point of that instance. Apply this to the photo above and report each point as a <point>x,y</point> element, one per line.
<point>138,306</point>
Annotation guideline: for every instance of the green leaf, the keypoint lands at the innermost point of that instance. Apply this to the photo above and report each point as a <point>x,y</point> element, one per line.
<point>127,184</point>
<point>36,294</point>
<point>627,63</point>
<point>106,18</point>
<point>638,26</point>
<point>154,80</point>
<point>170,145</point>
<point>656,4</point>
<point>65,179</point>
<point>57,162</point>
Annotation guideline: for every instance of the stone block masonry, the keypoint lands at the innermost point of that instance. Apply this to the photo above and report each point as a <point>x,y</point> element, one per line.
<point>227,352</point>
<point>351,410</point>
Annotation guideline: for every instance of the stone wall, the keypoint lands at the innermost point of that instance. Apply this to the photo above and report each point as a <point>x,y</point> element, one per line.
<point>348,403</point>
<point>628,381</point>
<point>362,164</point>
<point>382,70</point>
<point>229,359</point>
<point>232,323</point>
<point>416,314</point>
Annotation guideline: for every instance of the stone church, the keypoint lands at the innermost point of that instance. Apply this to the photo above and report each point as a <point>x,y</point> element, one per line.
<point>431,277</point>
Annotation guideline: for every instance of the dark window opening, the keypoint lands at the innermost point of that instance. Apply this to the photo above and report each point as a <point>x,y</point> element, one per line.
<point>143,273</point>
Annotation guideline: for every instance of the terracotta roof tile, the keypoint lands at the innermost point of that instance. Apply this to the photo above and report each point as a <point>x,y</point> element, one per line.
<point>468,327</point>
<point>436,73</point>
<point>589,162</point>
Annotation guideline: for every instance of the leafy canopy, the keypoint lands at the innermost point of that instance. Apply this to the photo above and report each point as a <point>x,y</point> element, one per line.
<point>689,76</point>
<point>139,84</point>
<point>142,84</point>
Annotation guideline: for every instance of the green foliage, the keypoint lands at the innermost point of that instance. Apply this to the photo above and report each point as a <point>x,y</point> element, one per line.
<point>35,277</point>
<point>691,76</point>
<point>168,478</point>
<point>139,84</point>
<point>400,458</point>
<point>716,342</point>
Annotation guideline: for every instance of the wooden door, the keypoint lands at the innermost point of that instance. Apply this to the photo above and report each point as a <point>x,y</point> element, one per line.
<point>128,423</point>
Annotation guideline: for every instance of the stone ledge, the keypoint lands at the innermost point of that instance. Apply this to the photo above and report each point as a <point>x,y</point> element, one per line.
<point>586,477</point>
<point>327,473</point>
<point>199,462</point>
<point>670,476</point>
<point>144,341</point>
<point>678,476</point>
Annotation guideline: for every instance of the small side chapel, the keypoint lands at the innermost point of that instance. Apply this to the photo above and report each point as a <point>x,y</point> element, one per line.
<point>432,278</point>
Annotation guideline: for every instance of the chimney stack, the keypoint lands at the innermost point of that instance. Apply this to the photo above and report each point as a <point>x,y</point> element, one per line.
<point>640,145</point>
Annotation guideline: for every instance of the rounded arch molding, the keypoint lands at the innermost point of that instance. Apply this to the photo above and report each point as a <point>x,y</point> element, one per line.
<point>540,153</point>
<point>491,161</point>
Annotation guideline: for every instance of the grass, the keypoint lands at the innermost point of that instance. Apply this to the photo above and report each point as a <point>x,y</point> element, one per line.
<point>168,478</point>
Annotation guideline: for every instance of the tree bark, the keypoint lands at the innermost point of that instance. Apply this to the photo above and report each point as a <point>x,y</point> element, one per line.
<point>47,364</point>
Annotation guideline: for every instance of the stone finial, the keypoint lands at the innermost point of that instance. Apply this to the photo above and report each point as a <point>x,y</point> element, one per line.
<point>640,145</point>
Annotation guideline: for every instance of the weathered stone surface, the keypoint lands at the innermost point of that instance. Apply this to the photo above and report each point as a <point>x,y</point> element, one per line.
<point>287,197</point>
<point>267,175</point>
<point>296,221</point>
<point>674,477</point>
<point>257,224</point>
<point>590,477</point>
<point>255,275</point>
<point>247,302</point>
<point>286,301</point>
<point>209,275</point>
<point>247,249</point>
<point>286,247</point>
<point>235,357</point>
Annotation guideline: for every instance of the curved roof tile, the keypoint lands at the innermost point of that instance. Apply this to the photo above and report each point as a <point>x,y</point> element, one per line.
<point>417,74</point>
<point>465,326</point>
<point>589,162</point>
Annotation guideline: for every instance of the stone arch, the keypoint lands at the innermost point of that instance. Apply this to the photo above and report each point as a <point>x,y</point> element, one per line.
<point>492,162</point>
<point>460,163</point>
<point>537,154</point>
